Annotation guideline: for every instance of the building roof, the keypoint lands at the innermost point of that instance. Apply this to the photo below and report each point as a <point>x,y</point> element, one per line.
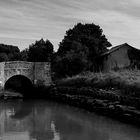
<point>116,48</point>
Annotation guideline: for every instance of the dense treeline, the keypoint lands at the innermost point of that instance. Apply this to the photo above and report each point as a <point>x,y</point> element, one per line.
<point>76,53</point>
<point>40,51</point>
<point>9,53</point>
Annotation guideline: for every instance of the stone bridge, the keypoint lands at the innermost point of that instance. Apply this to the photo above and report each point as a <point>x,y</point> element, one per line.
<point>37,73</point>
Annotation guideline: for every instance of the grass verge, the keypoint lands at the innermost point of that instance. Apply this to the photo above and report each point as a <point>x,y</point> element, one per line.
<point>126,81</point>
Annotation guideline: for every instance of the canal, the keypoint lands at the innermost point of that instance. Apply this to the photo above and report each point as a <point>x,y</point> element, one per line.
<point>43,120</point>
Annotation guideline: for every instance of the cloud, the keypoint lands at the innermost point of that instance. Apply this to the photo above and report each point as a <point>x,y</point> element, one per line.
<point>25,20</point>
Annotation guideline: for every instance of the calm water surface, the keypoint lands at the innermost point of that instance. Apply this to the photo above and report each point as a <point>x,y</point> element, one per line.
<point>42,120</point>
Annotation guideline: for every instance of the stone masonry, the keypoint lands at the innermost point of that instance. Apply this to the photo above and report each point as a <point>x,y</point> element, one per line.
<point>39,73</point>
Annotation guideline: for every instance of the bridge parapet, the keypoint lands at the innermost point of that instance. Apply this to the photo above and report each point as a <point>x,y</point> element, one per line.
<point>18,64</point>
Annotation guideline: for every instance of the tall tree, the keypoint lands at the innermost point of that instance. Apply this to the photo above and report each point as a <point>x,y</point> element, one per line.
<point>40,51</point>
<point>88,35</point>
<point>86,42</point>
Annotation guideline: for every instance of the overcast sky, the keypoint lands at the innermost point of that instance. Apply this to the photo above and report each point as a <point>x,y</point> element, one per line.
<point>24,21</point>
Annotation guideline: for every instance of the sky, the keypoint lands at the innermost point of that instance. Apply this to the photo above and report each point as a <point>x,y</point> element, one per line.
<point>24,21</point>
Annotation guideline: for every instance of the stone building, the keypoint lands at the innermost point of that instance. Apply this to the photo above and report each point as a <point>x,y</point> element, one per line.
<point>118,57</point>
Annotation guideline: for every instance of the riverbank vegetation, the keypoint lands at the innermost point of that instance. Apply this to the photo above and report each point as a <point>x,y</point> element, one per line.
<point>126,82</point>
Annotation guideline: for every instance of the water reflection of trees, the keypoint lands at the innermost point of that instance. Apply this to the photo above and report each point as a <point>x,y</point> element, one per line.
<point>45,121</point>
<point>26,117</point>
<point>23,110</point>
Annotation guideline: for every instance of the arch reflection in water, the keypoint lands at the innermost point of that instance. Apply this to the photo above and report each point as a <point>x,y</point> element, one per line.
<point>41,120</point>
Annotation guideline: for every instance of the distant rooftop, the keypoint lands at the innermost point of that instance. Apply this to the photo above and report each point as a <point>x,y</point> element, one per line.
<point>116,48</point>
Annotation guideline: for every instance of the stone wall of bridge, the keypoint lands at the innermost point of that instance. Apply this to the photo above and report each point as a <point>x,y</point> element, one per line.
<point>2,77</point>
<point>42,73</point>
<point>18,68</point>
<point>39,73</point>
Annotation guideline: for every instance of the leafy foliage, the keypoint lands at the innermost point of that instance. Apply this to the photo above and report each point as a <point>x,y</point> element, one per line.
<point>40,51</point>
<point>24,55</point>
<point>80,46</point>
<point>9,53</point>
<point>88,35</point>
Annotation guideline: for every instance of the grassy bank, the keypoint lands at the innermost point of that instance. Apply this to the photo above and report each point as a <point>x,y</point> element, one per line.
<point>126,82</point>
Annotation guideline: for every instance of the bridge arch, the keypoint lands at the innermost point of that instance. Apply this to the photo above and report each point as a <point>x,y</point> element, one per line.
<point>19,83</point>
<point>38,73</point>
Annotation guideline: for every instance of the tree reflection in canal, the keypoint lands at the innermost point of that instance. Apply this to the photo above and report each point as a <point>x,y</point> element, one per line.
<point>41,120</point>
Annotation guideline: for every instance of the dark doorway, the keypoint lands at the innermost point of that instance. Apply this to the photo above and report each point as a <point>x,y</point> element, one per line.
<point>19,83</point>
